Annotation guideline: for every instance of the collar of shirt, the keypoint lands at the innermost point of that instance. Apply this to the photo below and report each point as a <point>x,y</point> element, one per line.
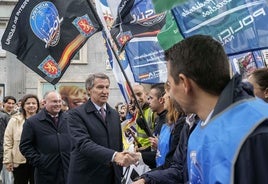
<point>204,123</point>
<point>57,115</point>
<point>98,107</point>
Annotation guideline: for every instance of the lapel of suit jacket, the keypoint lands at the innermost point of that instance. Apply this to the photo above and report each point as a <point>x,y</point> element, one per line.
<point>90,108</point>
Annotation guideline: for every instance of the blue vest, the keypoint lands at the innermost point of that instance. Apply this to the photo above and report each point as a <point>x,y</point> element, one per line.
<point>163,144</point>
<point>213,149</point>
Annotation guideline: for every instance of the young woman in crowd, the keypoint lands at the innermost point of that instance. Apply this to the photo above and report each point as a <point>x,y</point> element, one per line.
<point>259,79</point>
<point>13,159</point>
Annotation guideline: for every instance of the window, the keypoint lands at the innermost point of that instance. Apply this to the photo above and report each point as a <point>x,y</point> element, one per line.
<point>2,30</point>
<point>2,92</point>
<point>81,56</point>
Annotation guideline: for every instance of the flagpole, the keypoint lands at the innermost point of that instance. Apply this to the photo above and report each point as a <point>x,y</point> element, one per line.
<point>109,43</point>
<point>149,134</point>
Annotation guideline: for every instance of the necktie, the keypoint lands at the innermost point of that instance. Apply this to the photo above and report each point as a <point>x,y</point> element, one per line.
<point>55,120</point>
<point>103,114</point>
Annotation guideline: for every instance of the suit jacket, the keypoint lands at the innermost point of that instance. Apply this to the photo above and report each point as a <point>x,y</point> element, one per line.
<point>4,118</point>
<point>47,147</point>
<point>94,143</point>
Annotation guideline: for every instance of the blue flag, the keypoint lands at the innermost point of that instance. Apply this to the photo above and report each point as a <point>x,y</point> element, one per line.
<point>146,59</point>
<point>105,15</point>
<point>239,25</point>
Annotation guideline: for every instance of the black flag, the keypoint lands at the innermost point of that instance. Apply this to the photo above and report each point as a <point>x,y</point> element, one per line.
<point>45,35</point>
<point>136,18</point>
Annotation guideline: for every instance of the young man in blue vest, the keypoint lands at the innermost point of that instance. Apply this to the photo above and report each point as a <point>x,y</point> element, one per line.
<point>230,143</point>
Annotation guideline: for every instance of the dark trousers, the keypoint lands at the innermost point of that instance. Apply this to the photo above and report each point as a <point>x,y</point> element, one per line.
<point>1,164</point>
<point>23,174</point>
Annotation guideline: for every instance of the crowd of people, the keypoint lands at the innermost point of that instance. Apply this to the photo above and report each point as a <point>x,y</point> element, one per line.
<point>201,126</point>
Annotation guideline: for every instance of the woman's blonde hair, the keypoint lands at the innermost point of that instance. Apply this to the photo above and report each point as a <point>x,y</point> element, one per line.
<point>174,110</point>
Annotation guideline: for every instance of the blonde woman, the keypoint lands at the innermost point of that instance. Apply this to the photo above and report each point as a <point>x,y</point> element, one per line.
<point>13,159</point>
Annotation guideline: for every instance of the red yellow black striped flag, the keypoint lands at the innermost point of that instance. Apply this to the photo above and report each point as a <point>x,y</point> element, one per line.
<point>45,35</point>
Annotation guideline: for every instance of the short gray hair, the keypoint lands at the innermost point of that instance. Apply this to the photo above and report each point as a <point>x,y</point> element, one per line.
<point>91,78</point>
<point>48,92</point>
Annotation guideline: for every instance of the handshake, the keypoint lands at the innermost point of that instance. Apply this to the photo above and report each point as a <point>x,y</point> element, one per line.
<point>126,158</point>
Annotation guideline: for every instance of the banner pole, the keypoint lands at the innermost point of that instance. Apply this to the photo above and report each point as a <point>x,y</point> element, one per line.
<point>148,131</point>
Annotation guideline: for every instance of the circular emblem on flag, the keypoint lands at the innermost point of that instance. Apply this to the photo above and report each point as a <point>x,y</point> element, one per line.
<point>143,14</point>
<point>45,23</point>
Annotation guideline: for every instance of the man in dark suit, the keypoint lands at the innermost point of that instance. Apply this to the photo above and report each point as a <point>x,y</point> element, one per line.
<point>46,143</point>
<point>97,154</point>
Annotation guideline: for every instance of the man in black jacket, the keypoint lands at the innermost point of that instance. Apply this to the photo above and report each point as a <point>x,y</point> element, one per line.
<point>96,133</point>
<point>4,118</point>
<point>46,143</point>
<point>156,104</point>
<point>8,110</point>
